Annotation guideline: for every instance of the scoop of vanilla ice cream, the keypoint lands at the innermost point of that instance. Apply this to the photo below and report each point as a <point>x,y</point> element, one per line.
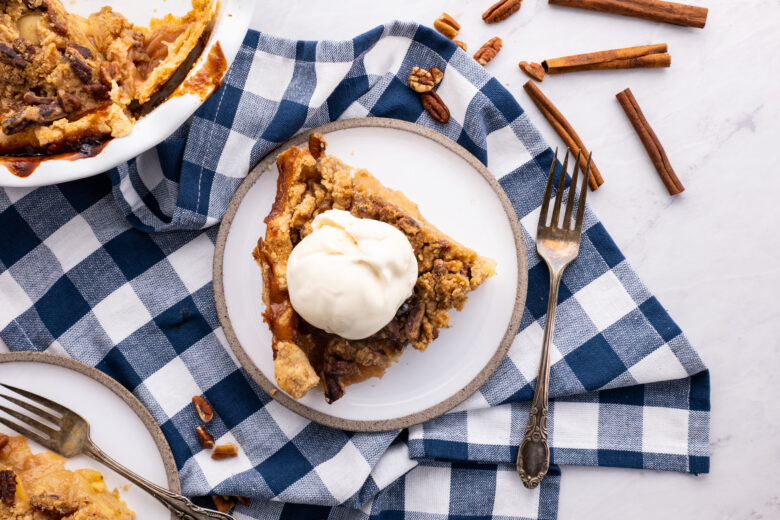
<point>350,275</point>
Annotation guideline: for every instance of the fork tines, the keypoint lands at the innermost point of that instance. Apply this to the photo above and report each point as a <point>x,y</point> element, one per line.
<point>47,433</point>
<point>555,222</point>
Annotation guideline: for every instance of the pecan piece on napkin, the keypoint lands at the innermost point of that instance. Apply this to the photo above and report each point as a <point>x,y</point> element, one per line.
<point>421,80</point>
<point>501,10</point>
<point>433,104</point>
<point>437,74</point>
<point>488,51</point>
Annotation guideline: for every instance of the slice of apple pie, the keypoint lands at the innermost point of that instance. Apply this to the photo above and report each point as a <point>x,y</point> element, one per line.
<point>310,184</point>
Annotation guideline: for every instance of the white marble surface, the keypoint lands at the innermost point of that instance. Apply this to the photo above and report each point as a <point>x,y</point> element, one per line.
<point>710,254</point>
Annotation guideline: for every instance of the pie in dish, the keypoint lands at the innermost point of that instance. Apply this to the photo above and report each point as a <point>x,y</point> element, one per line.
<point>67,81</point>
<point>309,184</point>
<point>38,487</point>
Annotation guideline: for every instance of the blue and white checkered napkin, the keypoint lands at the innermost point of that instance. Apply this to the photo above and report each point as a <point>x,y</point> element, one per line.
<point>115,270</point>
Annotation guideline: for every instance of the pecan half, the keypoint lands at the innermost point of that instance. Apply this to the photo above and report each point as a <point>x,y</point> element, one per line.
<point>78,64</point>
<point>98,90</point>
<point>333,388</point>
<point>225,451</point>
<point>392,330</point>
<point>31,99</point>
<point>447,25</point>
<point>53,505</point>
<point>488,51</point>
<point>204,437</point>
<point>30,115</point>
<point>11,57</point>
<point>433,104</point>
<point>7,486</point>
<point>534,70</point>
<point>69,102</point>
<point>108,72</point>
<point>461,44</point>
<point>317,145</point>
<point>204,409</point>
<point>84,51</point>
<point>56,24</point>
<point>3,440</point>
<point>501,10</point>
<point>223,503</point>
<point>421,80</point>
<point>414,320</point>
<point>437,74</point>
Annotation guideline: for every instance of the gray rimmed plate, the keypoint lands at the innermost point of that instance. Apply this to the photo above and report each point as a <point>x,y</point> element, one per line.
<point>458,195</point>
<point>119,423</point>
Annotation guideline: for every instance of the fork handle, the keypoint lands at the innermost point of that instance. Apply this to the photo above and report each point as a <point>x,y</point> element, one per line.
<point>179,505</point>
<point>533,455</point>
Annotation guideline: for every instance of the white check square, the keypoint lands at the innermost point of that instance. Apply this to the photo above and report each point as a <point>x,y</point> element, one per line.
<point>289,422</point>
<point>121,313</point>
<point>427,490</point>
<point>456,86</point>
<point>659,365</point>
<point>491,426</point>
<point>172,387</point>
<point>13,300</point>
<point>499,161</point>
<point>192,262</point>
<point>345,473</point>
<point>664,430</point>
<point>72,243</point>
<point>512,499</point>
<point>218,471</point>
<point>235,161</point>
<point>269,75</point>
<point>526,349</point>
<point>575,425</point>
<point>605,300</point>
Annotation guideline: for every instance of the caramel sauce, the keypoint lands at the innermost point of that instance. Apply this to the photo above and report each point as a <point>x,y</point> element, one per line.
<point>23,166</point>
<point>208,78</point>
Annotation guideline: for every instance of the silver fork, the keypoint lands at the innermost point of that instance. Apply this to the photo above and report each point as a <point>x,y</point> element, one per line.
<point>70,437</point>
<point>558,244</point>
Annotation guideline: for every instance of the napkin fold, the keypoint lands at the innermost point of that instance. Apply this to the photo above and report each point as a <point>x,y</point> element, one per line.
<point>115,270</point>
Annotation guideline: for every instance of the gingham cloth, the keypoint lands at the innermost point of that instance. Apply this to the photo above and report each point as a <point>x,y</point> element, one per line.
<point>115,271</point>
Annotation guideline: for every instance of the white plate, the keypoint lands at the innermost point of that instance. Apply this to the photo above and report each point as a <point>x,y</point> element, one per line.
<point>455,193</point>
<point>231,25</point>
<point>115,426</point>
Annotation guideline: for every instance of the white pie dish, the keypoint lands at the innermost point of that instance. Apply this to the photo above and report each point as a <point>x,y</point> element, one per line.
<point>232,22</point>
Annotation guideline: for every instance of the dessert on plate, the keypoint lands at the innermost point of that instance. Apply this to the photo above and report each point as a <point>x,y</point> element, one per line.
<point>68,81</point>
<point>352,273</point>
<point>38,487</point>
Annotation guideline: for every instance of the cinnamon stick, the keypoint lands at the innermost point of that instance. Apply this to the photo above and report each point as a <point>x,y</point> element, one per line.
<point>655,10</point>
<point>650,141</point>
<point>565,131</point>
<point>627,58</point>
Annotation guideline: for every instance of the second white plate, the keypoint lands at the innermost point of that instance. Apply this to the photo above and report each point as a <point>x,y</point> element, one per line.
<point>119,424</point>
